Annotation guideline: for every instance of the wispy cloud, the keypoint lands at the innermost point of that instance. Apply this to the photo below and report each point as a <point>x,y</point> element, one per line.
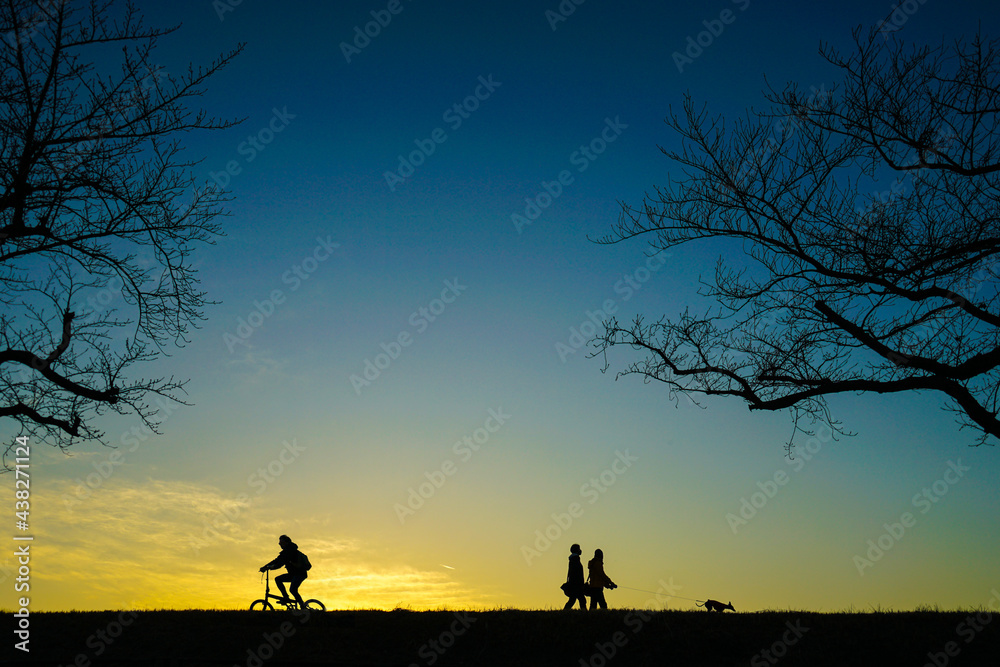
<point>256,366</point>
<point>130,548</point>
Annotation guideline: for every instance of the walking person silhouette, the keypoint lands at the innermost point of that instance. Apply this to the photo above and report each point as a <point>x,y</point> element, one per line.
<point>574,579</point>
<point>295,570</point>
<point>597,581</point>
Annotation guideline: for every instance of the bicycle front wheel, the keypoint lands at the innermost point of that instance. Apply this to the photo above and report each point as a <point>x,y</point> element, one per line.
<point>315,605</point>
<point>261,605</point>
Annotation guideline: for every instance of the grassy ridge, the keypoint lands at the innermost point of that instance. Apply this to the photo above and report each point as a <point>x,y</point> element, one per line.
<point>509,637</point>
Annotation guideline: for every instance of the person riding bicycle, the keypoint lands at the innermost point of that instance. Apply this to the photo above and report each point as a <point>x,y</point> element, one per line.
<point>295,573</point>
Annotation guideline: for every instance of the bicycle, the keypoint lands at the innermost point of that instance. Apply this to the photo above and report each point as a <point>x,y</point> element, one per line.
<point>262,604</point>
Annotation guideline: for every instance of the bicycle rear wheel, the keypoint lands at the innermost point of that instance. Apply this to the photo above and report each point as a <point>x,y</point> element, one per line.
<point>315,605</point>
<point>261,605</point>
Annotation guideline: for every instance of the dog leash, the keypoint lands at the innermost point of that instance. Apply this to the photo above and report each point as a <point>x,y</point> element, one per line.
<point>680,597</point>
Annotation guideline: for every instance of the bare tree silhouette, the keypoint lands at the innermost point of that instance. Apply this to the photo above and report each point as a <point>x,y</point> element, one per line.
<point>99,214</point>
<point>868,219</point>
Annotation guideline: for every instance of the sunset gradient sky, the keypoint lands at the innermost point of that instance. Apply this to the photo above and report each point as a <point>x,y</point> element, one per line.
<point>457,468</point>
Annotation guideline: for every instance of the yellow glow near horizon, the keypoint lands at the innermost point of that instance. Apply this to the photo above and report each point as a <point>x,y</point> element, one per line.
<point>134,547</point>
<point>152,543</point>
<point>138,546</point>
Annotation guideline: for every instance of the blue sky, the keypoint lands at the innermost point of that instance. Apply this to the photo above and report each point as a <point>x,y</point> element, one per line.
<point>331,266</point>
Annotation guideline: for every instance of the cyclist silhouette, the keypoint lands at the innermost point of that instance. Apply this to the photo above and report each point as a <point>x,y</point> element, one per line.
<point>295,574</point>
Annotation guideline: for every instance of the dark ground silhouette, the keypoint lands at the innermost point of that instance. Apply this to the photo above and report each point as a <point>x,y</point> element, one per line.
<point>512,637</point>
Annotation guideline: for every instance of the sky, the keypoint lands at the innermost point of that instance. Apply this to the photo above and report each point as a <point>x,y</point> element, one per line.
<point>393,375</point>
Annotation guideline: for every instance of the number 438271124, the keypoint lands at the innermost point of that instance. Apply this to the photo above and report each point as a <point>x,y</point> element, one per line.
<point>22,482</point>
